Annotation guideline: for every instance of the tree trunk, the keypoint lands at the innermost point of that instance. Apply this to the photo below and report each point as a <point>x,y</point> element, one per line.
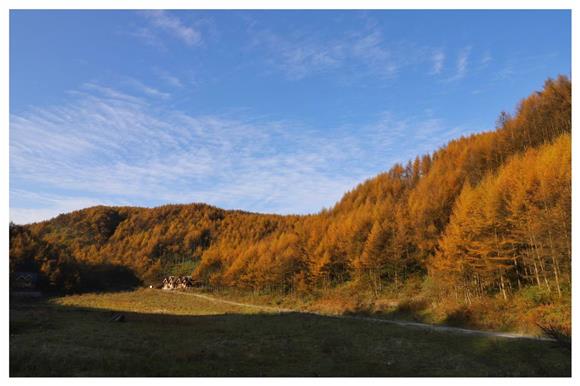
<point>502,286</point>
<point>537,273</point>
<point>517,272</point>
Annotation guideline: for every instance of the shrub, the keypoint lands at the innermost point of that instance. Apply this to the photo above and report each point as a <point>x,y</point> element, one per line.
<point>536,296</point>
<point>560,334</point>
<point>461,316</point>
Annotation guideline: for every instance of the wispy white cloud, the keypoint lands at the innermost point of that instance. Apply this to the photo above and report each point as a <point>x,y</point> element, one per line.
<point>158,27</point>
<point>373,51</point>
<point>352,55</point>
<point>520,65</point>
<point>438,59</point>
<point>108,92</point>
<point>506,72</point>
<point>357,53</point>
<point>298,56</point>
<point>106,146</point>
<point>146,35</point>
<point>462,65</point>
<point>171,80</point>
<point>147,90</point>
<point>486,59</point>
<point>462,62</point>
<point>174,26</point>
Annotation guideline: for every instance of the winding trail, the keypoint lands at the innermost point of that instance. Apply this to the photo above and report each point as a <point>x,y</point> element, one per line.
<point>423,326</point>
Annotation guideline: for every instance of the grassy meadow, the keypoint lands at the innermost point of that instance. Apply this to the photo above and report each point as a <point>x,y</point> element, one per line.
<point>169,334</point>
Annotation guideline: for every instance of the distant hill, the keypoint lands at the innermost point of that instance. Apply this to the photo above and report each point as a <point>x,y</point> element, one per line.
<point>485,215</point>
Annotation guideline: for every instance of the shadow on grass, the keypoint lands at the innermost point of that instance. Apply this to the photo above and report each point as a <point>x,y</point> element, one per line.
<point>53,340</point>
<point>414,310</point>
<point>407,310</point>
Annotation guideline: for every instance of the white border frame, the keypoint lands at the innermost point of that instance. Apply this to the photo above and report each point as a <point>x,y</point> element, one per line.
<point>7,5</point>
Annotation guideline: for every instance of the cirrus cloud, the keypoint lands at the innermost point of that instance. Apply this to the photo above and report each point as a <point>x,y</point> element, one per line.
<point>109,146</point>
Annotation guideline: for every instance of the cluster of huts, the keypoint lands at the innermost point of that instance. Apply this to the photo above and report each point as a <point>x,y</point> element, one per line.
<point>177,282</point>
<point>24,284</point>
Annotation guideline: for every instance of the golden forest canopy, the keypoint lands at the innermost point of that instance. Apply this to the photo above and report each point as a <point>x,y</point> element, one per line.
<point>486,214</point>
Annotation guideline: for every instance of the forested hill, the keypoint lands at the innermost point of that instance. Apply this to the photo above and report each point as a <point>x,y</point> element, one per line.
<point>486,215</point>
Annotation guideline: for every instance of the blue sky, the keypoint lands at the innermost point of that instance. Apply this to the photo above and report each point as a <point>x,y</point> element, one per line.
<point>268,111</point>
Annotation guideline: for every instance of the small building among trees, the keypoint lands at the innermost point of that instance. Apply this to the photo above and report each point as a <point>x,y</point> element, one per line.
<point>24,280</point>
<point>24,283</point>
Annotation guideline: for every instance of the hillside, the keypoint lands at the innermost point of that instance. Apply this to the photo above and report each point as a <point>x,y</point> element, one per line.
<point>486,216</point>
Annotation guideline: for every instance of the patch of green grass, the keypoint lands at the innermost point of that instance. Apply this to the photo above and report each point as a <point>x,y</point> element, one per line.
<point>168,334</point>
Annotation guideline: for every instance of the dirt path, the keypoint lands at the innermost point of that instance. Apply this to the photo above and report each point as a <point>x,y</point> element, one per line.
<point>403,323</point>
